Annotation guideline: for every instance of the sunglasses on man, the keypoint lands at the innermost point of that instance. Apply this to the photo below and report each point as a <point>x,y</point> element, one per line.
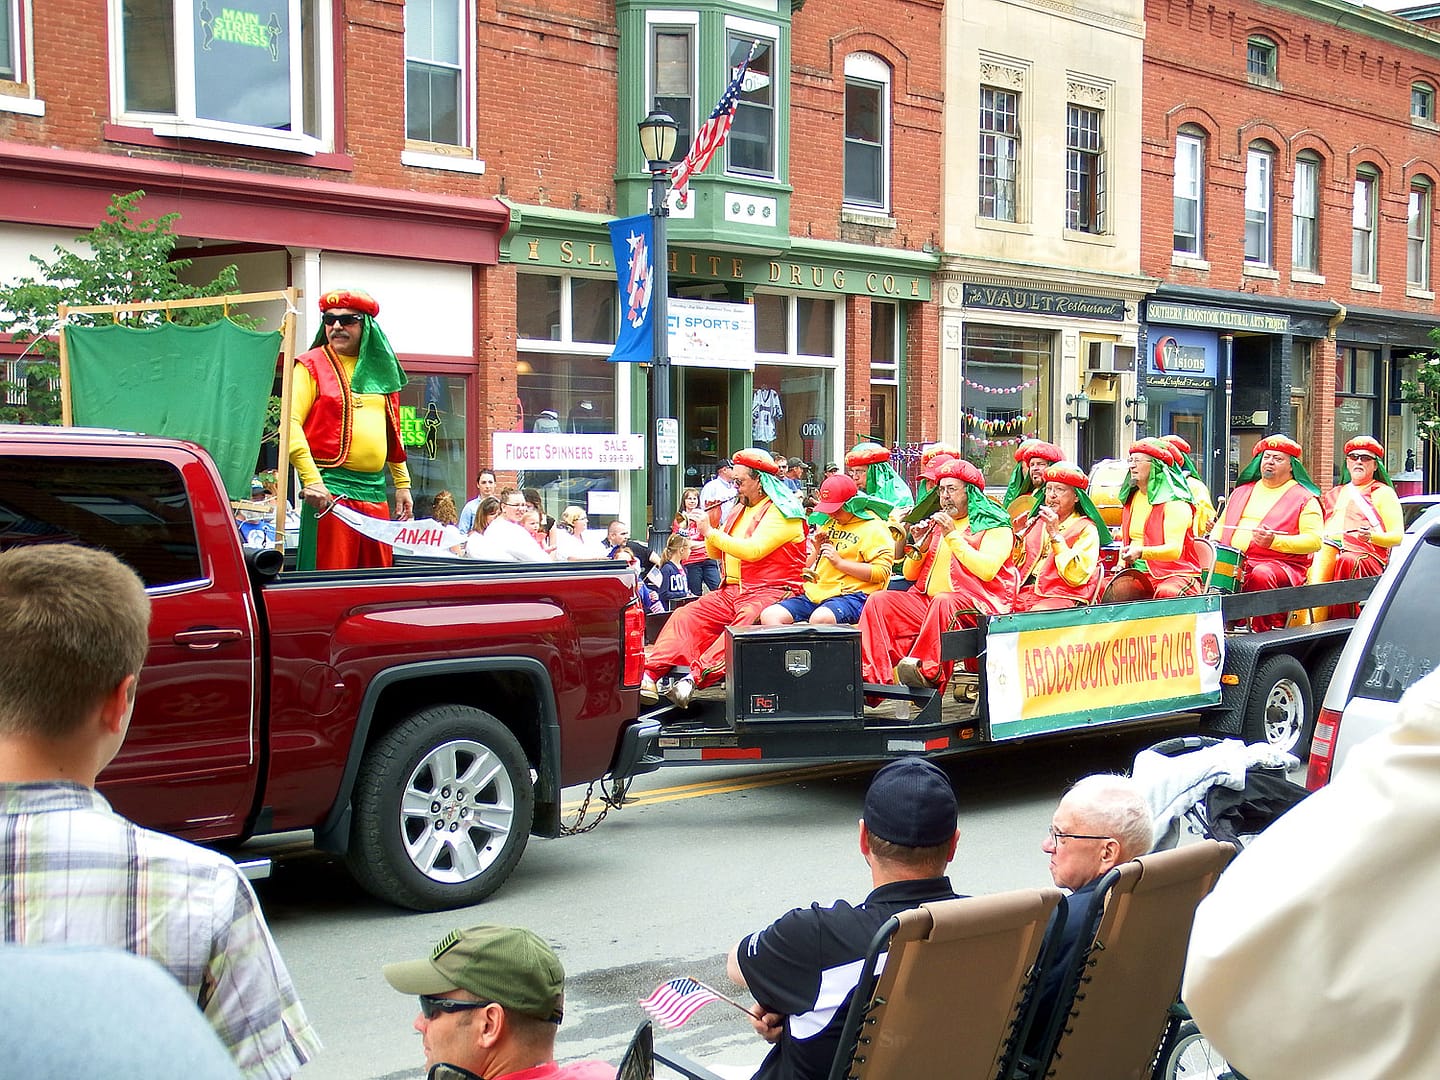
<point>431,1007</point>
<point>330,318</point>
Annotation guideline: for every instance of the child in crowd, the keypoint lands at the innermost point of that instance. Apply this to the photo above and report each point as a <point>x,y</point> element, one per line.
<point>674,582</point>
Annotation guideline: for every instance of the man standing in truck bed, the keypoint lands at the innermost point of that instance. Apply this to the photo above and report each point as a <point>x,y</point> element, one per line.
<point>345,430</point>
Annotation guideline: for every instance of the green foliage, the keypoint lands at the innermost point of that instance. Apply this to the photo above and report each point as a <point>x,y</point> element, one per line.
<point>121,261</point>
<point>1424,392</point>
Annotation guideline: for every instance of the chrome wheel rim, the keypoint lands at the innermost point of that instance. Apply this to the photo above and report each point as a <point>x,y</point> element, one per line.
<point>1284,715</point>
<point>457,811</point>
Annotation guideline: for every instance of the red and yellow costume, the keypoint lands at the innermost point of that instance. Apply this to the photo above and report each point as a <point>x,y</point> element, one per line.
<point>1291,509</point>
<point>1022,494</point>
<point>955,576</point>
<point>344,439</point>
<point>762,555</point>
<point>1164,528</point>
<point>1363,521</point>
<point>1062,571</point>
<point>1199,493</point>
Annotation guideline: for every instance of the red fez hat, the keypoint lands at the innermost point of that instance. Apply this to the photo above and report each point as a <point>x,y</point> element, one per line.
<point>961,470</point>
<point>756,460</point>
<point>1037,448</point>
<point>1067,472</point>
<point>1023,450</point>
<point>1155,448</point>
<point>866,453</point>
<point>1177,442</point>
<point>931,469</point>
<point>1283,443</point>
<point>834,493</point>
<point>354,299</point>
<point>935,450</point>
<point>1364,444</point>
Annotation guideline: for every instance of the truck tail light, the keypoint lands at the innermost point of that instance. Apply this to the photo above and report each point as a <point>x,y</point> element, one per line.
<point>1322,749</point>
<point>634,644</point>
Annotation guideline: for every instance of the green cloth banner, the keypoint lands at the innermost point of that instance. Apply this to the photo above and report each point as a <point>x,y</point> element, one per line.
<point>209,384</point>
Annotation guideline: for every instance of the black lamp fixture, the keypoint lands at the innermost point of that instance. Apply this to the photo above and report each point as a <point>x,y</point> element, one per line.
<point>1081,404</point>
<point>1139,410</point>
<point>658,132</point>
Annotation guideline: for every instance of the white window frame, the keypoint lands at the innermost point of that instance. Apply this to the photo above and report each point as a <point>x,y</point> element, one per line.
<point>769,32</point>
<point>870,69</point>
<point>465,66</point>
<point>792,357</point>
<point>1190,188</point>
<point>1305,208</point>
<point>1417,234</point>
<point>689,21</point>
<point>1422,89</point>
<point>184,124</point>
<point>1271,75</point>
<point>17,93</point>
<point>1002,142</point>
<point>1363,206</point>
<point>1259,204</point>
<point>1097,222</point>
<point>567,319</point>
<point>887,373</point>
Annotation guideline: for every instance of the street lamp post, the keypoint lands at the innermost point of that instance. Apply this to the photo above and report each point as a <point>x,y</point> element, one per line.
<point>657,142</point>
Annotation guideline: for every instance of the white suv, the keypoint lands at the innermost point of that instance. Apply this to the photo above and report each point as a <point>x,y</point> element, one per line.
<point>1395,642</point>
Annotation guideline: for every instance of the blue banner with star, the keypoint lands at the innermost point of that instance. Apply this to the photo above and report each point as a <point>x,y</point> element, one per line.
<point>633,239</point>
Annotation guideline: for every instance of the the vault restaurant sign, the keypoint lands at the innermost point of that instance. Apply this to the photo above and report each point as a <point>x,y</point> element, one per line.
<point>1043,302</point>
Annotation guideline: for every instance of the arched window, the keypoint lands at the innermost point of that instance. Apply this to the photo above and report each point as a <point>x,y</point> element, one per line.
<point>1189,191</point>
<point>1417,234</point>
<point>1259,197</point>
<point>1422,102</point>
<point>867,132</point>
<point>1305,214</point>
<point>1260,60</point>
<point>1363,224</point>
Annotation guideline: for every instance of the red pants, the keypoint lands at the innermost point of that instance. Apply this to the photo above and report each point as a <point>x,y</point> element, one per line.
<point>339,547</point>
<point>895,624</point>
<point>1353,564</point>
<point>1263,574</point>
<point>1176,585</point>
<point>695,635</point>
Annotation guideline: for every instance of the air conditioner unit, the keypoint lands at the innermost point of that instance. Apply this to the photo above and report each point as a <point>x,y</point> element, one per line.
<point>1109,356</point>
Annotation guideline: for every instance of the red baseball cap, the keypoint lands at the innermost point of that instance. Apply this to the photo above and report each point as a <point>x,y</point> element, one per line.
<point>834,493</point>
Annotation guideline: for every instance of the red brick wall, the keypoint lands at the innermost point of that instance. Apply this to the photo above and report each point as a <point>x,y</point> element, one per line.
<point>1345,97</point>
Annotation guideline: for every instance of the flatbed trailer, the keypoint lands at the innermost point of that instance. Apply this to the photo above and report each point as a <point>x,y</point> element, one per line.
<point>794,693</point>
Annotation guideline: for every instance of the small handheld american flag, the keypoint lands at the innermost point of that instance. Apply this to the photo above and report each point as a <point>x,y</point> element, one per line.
<point>676,1001</point>
<point>712,133</point>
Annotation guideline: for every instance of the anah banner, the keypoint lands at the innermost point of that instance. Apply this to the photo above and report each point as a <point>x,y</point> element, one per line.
<point>633,241</point>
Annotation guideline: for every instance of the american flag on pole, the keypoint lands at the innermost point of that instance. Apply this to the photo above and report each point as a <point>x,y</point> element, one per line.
<point>676,1001</point>
<point>712,133</point>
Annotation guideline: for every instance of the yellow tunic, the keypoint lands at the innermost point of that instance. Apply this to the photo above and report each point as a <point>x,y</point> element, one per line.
<point>984,562</point>
<point>736,548</point>
<point>1391,526</point>
<point>1307,534</point>
<point>1204,508</point>
<point>1178,518</point>
<point>367,442</point>
<point>866,540</point>
<point>1074,562</point>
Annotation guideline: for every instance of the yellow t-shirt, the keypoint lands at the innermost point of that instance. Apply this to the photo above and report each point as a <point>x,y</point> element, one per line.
<point>866,540</point>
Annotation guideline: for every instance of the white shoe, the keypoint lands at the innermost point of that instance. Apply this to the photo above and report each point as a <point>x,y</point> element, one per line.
<point>648,690</point>
<point>681,691</point>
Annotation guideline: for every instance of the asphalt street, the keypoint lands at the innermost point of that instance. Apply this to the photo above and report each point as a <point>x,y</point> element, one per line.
<point>664,886</point>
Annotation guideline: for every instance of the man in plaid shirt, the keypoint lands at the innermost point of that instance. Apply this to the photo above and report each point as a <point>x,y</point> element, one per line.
<point>74,632</point>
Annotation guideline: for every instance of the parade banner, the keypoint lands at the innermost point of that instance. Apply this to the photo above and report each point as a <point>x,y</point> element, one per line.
<point>1047,671</point>
<point>423,537</point>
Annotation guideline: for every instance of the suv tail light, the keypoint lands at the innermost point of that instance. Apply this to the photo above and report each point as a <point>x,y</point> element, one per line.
<point>1322,749</point>
<point>634,645</point>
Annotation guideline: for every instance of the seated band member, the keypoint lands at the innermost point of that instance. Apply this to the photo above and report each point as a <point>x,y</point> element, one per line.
<point>1362,521</point>
<point>1026,489</point>
<point>762,549</point>
<point>853,555</point>
<point>1062,547</point>
<point>1274,519</point>
<point>1199,492</point>
<point>1157,522</point>
<point>931,458</point>
<point>962,562</point>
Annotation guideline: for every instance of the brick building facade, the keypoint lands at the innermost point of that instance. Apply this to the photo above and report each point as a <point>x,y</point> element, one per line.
<point>464,166</point>
<point>1290,167</point>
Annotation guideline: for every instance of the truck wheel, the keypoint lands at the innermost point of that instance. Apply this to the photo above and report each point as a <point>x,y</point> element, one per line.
<point>1280,710</point>
<point>443,805</point>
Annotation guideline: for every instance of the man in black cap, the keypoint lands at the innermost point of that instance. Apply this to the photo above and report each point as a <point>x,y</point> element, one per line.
<point>491,1001</point>
<point>803,967</point>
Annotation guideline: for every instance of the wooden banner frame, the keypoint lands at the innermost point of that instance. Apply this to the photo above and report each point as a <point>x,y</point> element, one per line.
<point>291,298</point>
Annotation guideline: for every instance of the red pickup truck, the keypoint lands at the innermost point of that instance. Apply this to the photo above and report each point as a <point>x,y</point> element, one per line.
<point>421,719</point>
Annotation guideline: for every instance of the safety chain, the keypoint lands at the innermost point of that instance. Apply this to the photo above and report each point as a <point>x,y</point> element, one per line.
<point>612,797</point>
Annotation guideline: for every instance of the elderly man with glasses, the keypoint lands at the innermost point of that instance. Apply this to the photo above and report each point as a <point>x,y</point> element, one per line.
<point>1101,822</point>
<point>491,1002</point>
<point>345,432</point>
<point>1363,521</point>
<point>506,538</point>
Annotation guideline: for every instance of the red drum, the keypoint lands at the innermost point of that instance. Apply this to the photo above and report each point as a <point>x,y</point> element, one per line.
<point>1110,558</point>
<point>1128,585</point>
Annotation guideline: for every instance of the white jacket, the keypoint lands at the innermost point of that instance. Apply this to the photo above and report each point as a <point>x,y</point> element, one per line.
<point>1318,953</point>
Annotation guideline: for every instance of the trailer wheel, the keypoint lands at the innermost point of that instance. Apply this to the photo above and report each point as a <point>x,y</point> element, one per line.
<point>443,806</point>
<point>1280,710</point>
<point>1321,674</point>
